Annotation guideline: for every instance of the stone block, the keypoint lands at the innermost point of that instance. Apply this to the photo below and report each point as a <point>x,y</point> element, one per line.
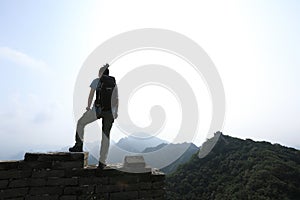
<point>14,173</point>
<point>18,183</point>
<point>158,185</point>
<point>41,173</point>
<point>68,197</point>
<point>77,172</point>
<point>158,177</point>
<point>102,196</point>
<point>42,197</point>
<point>46,190</point>
<point>145,185</point>
<point>79,190</point>
<point>135,164</point>
<point>109,188</point>
<point>134,161</point>
<point>3,183</point>
<point>13,164</point>
<point>145,194</point>
<point>144,177</point>
<point>88,197</point>
<point>151,193</point>
<point>124,195</point>
<point>67,164</point>
<point>36,182</point>
<point>35,165</point>
<point>125,179</point>
<point>131,187</point>
<point>56,156</point>
<point>93,180</point>
<point>13,192</point>
<point>17,198</point>
<point>158,193</point>
<point>55,173</point>
<point>55,181</point>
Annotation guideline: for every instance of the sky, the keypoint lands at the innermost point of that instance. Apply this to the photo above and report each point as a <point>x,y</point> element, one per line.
<point>43,44</point>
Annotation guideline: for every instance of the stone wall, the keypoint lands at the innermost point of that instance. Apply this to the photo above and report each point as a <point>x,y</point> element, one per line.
<point>67,176</point>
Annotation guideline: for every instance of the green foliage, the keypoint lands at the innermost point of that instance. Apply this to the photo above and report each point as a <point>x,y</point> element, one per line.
<point>238,169</point>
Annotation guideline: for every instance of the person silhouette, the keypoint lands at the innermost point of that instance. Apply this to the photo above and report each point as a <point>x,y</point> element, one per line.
<point>105,106</point>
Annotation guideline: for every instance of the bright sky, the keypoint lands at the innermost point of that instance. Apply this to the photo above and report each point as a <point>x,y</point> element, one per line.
<point>254,45</point>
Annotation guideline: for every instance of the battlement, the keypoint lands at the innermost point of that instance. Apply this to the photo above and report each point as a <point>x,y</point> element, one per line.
<point>62,175</point>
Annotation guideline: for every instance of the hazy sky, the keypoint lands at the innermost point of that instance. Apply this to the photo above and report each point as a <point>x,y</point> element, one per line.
<point>254,44</point>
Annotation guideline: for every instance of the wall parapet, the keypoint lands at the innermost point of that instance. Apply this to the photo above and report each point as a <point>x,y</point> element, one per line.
<point>67,176</point>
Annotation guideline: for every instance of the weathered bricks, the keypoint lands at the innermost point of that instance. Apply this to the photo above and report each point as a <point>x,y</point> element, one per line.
<point>52,181</point>
<point>42,197</point>
<point>68,197</point>
<point>124,195</point>
<point>55,156</point>
<point>65,176</point>
<point>18,183</point>
<point>48,173</point>
<point>109,188</point>
<point>84,189</point>
<point>3,183</point>
<point>36,182</point>
<point>93,180</point>
<point>13,192</point>
<point>13,164</point>
<point>14,173</point>
<point>46,190</point>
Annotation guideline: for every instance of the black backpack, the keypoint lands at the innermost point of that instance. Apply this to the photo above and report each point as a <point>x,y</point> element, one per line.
<point>104,93</point>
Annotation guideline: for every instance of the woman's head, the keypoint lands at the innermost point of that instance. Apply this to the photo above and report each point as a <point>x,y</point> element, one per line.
<point>104,70</point>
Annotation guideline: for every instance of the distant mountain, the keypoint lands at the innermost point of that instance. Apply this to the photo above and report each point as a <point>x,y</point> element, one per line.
<point>116,154</point>
<point>185,157</point>
<point>130,145</point>
<point>191,149</point>
<point>151,149</point>
<point>238,169</point>
<point>136,143</point>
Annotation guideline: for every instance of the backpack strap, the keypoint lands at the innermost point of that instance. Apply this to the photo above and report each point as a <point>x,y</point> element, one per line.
<point>99,85</point>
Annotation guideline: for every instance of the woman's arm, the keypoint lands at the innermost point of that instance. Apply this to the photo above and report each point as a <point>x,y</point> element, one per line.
<point>91,96</point>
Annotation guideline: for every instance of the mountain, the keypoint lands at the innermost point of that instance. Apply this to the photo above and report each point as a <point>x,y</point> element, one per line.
<point>130,145</point>
<point>185,157</point>
<point>137,142</point>
<point>151,149</point>
<point>172,148</point>
<point>238,169</point>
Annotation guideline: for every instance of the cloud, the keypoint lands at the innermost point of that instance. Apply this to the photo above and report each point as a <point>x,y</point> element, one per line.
<point>22,59</point>
<point>30,120</point>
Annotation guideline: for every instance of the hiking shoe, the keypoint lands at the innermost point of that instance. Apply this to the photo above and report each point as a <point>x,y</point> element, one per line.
<point>101,166</point>
<point>76,148</point>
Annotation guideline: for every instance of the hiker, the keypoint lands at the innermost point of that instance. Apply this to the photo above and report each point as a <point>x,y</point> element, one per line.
<point>105,107</point>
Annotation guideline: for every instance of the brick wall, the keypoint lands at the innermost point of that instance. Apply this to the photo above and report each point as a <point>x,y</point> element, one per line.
<point>67,176</point>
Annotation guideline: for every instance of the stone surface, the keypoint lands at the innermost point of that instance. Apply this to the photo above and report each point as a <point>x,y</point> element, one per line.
<point>64,175</point>
<point>46,190</point>
<point>135,164</point>
<point>124,195</point>
<point>13,192</point>
<point>56,156</point>
<point>134,161</point>
<point>11,164</point>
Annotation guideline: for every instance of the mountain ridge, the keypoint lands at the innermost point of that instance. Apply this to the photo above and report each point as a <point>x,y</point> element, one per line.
<point>238,169</point>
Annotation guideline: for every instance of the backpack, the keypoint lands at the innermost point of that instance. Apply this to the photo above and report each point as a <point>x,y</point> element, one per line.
<point>104,93</point>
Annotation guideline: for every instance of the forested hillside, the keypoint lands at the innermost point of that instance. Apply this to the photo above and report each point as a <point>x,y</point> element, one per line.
<point>239,169</point>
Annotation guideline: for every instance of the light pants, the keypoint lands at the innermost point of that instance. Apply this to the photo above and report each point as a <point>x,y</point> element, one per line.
<point>107,121</point>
